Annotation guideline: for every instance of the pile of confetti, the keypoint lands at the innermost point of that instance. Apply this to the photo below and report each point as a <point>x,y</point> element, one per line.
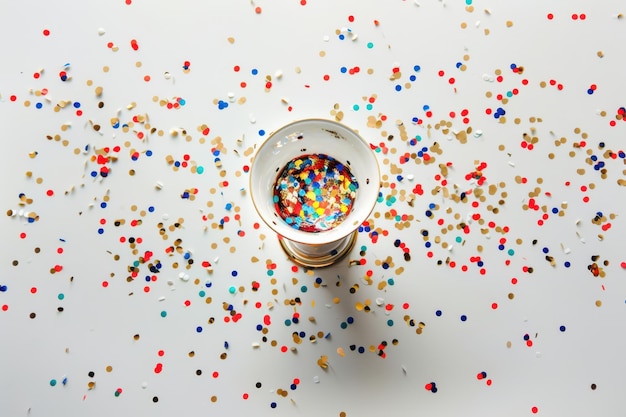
<point>137,278</point>
<point>314,193</point>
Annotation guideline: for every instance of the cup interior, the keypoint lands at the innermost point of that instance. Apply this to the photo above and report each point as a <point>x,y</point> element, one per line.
<point>314,136</point>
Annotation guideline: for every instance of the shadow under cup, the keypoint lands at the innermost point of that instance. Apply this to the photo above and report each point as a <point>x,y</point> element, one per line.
<point>329,178</point>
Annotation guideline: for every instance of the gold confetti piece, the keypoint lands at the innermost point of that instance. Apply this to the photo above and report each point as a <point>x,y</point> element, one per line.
<point>341,352</point>
<point>322,362</point>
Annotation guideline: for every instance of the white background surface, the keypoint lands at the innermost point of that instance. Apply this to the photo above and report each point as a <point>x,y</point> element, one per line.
<point>97,325</point>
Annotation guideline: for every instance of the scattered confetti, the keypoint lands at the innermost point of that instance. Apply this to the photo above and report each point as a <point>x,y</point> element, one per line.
<point>126,193</point>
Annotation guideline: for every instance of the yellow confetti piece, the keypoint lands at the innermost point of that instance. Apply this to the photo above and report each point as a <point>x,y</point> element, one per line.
<point>322,362</point>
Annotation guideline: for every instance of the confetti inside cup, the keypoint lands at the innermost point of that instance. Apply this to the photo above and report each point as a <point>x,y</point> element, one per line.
<point>314,193</point>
